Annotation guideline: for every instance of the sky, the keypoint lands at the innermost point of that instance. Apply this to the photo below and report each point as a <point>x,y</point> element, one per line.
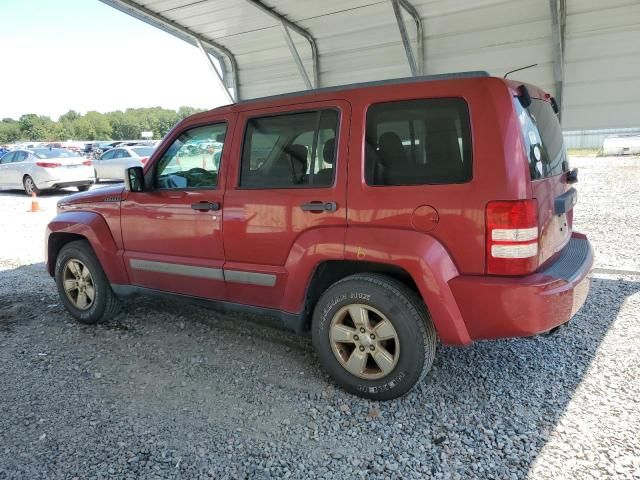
<point>61,55</point>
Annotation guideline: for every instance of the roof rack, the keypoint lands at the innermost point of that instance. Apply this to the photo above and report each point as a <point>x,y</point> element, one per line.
<point>375,83</point>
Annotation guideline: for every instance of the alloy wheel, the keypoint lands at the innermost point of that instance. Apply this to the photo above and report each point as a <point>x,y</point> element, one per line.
<point>78,284</point>
<point>364,341</point>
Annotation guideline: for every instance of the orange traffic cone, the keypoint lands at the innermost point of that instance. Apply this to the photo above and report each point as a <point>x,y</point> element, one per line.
<point>35,206</point>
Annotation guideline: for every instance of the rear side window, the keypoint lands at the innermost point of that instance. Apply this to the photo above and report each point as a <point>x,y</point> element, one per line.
<point>418,142</point>
<point>290,151</point>
<point>543,139</point>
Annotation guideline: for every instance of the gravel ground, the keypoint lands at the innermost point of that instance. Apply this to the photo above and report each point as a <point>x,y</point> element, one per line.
<point>176,391</point>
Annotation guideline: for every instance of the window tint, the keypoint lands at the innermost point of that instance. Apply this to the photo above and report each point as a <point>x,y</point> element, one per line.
<point>20,156</point>
<point>143,151</point>
<point>290,151</point>
<point>108,155</point>
<point>7,158</point>
<point>122,153</point>
<point>543,139</point>
<point>193,160</point>
<point>54,153</point>
<point>418,142</point>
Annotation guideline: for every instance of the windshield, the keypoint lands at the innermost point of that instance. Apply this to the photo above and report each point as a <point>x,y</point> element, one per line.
<point>54,153</point>
<point>143,151</point>
<point>543,139</point>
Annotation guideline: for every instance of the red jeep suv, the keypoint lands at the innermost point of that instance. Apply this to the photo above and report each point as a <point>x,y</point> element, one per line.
<point>377,217</point>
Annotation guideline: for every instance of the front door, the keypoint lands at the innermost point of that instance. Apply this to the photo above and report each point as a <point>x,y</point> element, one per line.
<point>172,232</point>
<point>285,198</point>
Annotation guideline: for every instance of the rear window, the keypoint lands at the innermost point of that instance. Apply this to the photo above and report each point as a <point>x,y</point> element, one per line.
<point>54,153</point>
<point>543,139</point>
<point>418,142</point>
<point>143,151</point>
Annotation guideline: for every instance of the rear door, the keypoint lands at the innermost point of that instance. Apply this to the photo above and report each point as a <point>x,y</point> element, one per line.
<point>548,167</point>
<point>289,185</point>
<point>5,163</point>
<point>17,168</point>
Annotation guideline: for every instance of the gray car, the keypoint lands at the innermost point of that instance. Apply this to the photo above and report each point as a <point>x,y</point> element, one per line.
<point>112,163</point>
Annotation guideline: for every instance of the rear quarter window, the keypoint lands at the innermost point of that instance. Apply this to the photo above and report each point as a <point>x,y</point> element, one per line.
<point>418,142</point>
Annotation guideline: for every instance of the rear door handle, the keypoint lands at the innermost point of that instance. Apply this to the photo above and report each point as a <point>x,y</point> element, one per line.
<point>317,206</point>
<point>205,206</point>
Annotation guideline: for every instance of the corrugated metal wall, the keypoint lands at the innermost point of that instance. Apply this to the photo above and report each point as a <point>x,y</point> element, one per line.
<point>358,40</point>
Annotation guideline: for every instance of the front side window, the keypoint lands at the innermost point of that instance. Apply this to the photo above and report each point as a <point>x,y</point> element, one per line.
<point>7,158</point>
<point>296,150</point>
<point>418,142</point>
<point>193,160</point>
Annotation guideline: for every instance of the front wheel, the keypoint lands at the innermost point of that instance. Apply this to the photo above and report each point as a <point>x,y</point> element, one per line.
<point>82,285</point>
<point>374,336</point>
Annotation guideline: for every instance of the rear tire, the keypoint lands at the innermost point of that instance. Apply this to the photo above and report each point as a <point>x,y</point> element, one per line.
<point>382,353</point>
<point>30,186</point>
<point>82,285</point>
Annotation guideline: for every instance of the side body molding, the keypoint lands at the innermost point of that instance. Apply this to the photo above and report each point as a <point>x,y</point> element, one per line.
<point>428,263</point>
<point>94,228</point>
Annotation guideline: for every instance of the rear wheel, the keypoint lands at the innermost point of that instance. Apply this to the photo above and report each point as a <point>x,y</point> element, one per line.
<point>82,285</point>
<point>30,186</point>
<point>374,336</point>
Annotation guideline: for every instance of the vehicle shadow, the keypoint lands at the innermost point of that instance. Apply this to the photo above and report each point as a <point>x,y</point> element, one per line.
<point>501,400</point>
<point>59,192</point>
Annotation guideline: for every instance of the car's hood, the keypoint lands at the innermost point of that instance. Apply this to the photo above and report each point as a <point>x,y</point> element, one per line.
<point>105,194</point>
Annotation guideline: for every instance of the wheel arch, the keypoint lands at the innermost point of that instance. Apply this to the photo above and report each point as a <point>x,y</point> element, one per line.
<point>70,226</point>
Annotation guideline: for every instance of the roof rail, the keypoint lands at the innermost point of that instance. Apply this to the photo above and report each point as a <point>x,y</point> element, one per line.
<point>375,83</point>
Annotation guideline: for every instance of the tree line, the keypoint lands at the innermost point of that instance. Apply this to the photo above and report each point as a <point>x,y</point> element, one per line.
<point>93,125</point>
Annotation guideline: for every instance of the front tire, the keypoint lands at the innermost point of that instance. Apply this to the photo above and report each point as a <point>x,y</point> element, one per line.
<point>30,186</point>
<point>82,285</point>
<point>374,336</point>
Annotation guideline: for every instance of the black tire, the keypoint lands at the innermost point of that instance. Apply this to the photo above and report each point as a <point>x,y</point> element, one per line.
<point>83,188</point>
<point>30,186</point>
<point>105,304</point>
<point>403,308</point>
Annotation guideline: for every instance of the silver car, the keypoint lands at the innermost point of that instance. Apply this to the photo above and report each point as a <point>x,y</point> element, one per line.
<point>112,163</point>
<point>45,168</point>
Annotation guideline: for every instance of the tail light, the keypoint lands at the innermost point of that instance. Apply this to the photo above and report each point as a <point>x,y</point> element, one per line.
<point>48,164</point>
<point>88,163</point>
<point>512,237</point>
<point>144,160</point>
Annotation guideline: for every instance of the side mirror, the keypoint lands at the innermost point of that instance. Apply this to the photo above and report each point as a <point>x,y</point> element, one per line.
<point>134,179</point>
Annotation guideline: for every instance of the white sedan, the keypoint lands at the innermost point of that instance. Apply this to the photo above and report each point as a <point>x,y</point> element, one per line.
<point>44,168</point>
<point>112,163</point>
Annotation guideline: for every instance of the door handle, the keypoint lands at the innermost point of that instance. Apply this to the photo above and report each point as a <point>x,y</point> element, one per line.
<point>205,206</point>
<point>317,206</point>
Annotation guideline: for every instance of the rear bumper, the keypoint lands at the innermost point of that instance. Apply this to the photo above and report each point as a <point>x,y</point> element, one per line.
<point>498,307</point>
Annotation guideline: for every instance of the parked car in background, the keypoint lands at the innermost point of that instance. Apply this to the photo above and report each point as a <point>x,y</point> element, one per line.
<point>621,145</point>
<point>45,168</point>
<point>112,163</point>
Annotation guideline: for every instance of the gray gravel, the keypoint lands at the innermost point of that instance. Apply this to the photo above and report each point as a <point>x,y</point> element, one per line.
<point>176,391</point>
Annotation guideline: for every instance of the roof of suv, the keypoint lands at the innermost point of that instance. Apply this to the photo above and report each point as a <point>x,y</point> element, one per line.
<point>290,97</point>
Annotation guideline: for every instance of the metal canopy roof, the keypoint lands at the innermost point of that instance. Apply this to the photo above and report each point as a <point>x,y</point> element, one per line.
<point>587,51</point>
